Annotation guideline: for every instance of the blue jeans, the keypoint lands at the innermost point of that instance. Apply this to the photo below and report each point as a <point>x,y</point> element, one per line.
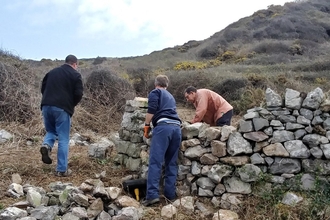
<point>165,144</point>
<point>57,124</point>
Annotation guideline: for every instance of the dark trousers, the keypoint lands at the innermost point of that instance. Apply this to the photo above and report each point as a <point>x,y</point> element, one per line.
<point>225,119</point>
<point>165,144</point>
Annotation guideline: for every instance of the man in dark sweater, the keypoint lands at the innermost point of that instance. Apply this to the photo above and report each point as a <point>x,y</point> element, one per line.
<point>62,90</point>
<point>165,141</point>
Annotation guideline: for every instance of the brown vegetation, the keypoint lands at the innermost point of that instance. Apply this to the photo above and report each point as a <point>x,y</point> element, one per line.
<point>279,47</point>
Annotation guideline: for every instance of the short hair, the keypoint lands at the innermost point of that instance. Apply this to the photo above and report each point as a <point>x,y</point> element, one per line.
<point>190,89</point>
<point>162,81</point>
<point>71,59</point>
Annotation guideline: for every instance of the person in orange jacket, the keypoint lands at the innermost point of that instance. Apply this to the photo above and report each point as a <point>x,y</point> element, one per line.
<point>211,108</point>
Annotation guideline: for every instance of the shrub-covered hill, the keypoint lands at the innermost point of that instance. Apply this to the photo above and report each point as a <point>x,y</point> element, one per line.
<point>269,36</point>
<point>297,31</point>
<point>297,28</point>
<point>278,47</point>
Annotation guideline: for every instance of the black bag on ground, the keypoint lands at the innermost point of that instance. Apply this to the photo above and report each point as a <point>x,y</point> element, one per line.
<point>136,188</point>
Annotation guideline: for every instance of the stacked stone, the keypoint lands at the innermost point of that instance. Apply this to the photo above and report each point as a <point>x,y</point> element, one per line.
<point>288,137</point>
<point>207,169</point>
<point>131,149</point>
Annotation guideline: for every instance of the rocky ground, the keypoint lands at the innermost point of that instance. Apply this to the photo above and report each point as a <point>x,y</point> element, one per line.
<point>25,159</point>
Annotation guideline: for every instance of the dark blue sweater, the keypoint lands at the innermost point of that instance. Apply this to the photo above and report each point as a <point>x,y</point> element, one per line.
<point>162,104</point>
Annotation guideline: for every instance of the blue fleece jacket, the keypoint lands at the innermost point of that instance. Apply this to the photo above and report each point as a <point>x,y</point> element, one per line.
<point>162,104</point>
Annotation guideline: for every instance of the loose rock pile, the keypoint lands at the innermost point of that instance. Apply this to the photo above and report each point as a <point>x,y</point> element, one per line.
<point>91,200</point>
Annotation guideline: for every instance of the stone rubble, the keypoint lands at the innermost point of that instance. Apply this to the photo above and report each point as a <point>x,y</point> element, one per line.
<point>90,200</point>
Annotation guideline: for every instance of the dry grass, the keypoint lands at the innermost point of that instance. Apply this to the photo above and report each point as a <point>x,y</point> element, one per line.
<point>18,157</point>
<point>26,161</point>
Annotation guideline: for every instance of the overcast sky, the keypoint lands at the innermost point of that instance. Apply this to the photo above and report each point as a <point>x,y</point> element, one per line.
<point>36,29</point>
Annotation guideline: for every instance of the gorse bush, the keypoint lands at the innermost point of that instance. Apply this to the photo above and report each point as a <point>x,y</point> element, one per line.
<point>103,103</point>
<point>108,89</point>
<point>230,89</point>
<point>189,65</point>
<point>99,60</point>
<point>190,44</point>
<point>271,46</point>
<point>296,49</point>
<point>251,97</point>
<point>198,65</point>
<point>231,34</point>
<point>257,80</point>
<point>142,80</point>
<point>47,62</point>
<point>209,53</point>
<point>227,55</point>
<point>18,91</point>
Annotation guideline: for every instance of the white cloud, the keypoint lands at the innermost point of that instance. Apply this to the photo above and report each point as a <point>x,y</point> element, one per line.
<point>123,18</point>
<point>60,3</point>
<point>175,21</point>
<point>142,26</point>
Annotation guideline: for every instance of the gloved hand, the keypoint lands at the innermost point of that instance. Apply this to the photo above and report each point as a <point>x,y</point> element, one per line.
<point>146,130</point>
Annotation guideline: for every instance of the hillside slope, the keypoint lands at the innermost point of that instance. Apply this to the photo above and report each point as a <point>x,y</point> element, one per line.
<point>295,32</point>
<point>278,47</point>
<point>278,32</point>
<point>304,26</point>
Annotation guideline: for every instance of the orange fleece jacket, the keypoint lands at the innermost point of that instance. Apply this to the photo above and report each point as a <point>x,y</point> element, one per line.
<point>210,106</point>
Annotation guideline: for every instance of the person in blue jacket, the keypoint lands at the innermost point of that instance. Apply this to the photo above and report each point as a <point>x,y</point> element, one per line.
<point>165,141</point>
<point>62,90</point>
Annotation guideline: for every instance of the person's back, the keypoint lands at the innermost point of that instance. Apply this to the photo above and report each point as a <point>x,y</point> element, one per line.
<point>165,142</point>
<point>62,87</point>
<point>165,104</point>
<point>61,90</point>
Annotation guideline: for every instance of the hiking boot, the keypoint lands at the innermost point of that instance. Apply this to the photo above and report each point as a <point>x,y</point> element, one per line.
<point>63,174</point>
<point>148,202</point>
<point>45,151</point>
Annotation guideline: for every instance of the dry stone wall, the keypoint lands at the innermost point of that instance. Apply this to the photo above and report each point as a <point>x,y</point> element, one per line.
<point>289,136</point>
<point>287,140</point>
